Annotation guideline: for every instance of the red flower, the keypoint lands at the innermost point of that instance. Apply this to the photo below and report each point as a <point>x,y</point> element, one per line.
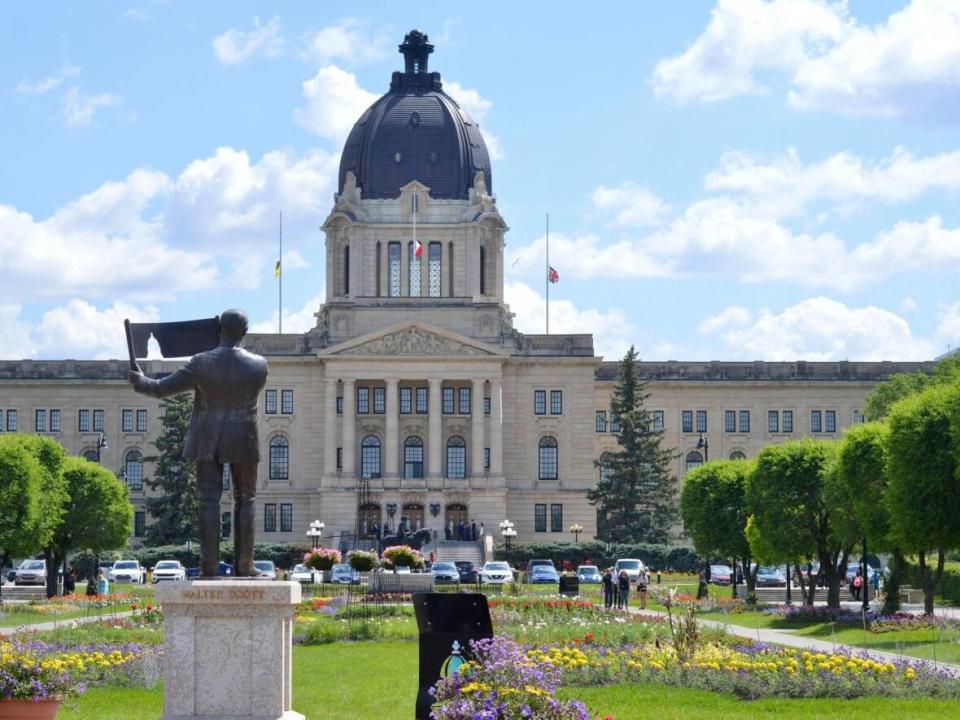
<point>134,607</point>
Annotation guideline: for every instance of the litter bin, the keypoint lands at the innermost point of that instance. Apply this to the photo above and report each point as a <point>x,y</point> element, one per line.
<point>446,623</point>
<point>569,585</point>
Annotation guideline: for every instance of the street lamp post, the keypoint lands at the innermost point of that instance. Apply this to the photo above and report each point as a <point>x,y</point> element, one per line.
<point>576,530</point>
<point>865,583</point>
<point>315,533</point>
<point>508,533</point>
<point>704,444</point>
<point>101,444</point>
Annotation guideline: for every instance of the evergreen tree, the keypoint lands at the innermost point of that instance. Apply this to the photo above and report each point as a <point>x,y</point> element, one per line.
<point>174,512</point>
<point>636,497</point>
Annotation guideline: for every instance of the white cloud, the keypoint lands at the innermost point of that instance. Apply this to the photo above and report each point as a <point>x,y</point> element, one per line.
<point>236,46</point>
<point>294,321</point>
<point>948,329</point>
<point>631,204</point>
<point>908,305</point>
<point>611,330</point>
<point>334,102</point>
<point>51,82</point>
<point>15,340</point>
<point>293,260</point>
<point>907,65</point>
<point>347,41</point>
<point>477,107</point>
<point>586,256</point>
<point>817,329</point>
<point>79,110</point>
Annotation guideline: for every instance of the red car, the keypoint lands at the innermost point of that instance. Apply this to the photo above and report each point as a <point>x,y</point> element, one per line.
<point>721,575</point>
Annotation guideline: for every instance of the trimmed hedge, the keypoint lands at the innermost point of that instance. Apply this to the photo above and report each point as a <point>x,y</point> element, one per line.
<point>656,557</point>
<point>284,555</point>
<point>949,587</point>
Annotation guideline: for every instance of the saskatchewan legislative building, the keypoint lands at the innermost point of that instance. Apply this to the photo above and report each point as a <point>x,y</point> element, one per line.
<point>414,399</point>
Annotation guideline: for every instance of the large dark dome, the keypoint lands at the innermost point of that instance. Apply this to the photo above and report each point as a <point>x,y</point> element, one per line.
<point>415,132</point>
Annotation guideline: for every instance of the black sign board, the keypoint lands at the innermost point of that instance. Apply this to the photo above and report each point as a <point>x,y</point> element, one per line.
<point>447,623</point>
<point>569,585</point>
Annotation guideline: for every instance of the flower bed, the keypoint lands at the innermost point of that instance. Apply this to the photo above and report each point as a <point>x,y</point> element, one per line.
<point>875,622</point>
<point>60,605</point>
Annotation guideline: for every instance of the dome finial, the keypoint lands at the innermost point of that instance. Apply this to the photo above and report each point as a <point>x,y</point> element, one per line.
<point>416,49</point>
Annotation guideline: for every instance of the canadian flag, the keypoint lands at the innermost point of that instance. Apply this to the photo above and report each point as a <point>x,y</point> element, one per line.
<point>417,248</point>
<point>553,276</point>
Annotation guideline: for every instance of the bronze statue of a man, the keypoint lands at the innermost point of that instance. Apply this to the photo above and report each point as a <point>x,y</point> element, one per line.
<point>223,431</point>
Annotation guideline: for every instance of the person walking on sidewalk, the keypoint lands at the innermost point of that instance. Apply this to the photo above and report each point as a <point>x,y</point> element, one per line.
<point>608,589</point>
<point>623,583</point>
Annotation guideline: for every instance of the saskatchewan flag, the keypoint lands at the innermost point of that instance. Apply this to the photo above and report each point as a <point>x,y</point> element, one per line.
<point>276,270</point>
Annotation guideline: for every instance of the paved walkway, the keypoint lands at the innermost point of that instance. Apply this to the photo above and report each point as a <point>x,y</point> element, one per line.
<point>54,624</point>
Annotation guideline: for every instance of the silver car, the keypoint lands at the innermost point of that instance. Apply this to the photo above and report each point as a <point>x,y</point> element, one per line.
<point>31,572</point>
<point>266,568</point>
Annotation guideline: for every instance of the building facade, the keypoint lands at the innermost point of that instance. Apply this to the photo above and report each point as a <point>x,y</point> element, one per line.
<point>414,396</point>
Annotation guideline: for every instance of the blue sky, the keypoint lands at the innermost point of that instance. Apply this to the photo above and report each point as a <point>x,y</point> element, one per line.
<point>725,180</point>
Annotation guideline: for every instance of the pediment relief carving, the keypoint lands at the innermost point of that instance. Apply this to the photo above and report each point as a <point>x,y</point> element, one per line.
<point>413,341</point>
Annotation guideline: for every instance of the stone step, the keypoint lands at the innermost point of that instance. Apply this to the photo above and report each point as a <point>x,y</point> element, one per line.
<point>454,552</point>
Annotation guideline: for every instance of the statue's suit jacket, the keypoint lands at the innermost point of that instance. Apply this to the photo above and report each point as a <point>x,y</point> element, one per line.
<point>226,382</point>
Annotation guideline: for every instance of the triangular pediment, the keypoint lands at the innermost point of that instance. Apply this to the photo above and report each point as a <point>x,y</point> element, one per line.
<point>414,339</point>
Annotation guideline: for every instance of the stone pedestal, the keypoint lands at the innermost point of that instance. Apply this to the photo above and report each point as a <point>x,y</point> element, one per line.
<point>228,649</point>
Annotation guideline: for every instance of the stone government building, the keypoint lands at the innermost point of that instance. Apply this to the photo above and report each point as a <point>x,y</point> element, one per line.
<point>414,396</point>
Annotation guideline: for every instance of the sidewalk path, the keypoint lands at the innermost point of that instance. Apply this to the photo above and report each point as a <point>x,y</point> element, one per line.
<point>54,624</point>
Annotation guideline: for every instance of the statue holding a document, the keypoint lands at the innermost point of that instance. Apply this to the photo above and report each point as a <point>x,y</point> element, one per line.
<point>227,381</point>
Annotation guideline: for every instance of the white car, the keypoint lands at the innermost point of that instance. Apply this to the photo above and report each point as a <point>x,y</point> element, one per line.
<point>633,567</point>
<point>303,574</point>
<point>496,572</point>
<point>169,570</point>
<point>127,571</point>
<point>31,572</point>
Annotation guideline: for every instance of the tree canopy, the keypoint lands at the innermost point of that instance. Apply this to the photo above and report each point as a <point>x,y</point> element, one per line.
<point>98,514</point>
<point>19,497</point>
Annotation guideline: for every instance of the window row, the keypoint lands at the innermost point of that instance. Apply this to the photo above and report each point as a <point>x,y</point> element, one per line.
<point>540,402</point>
<point>270,402</point>
<point>85,416</point>
<point>454,401</point>
<point>734,421</point>
<point>540,517</point>
<point>48,420</point>
<point>270,517</point>
<point>434,252</point>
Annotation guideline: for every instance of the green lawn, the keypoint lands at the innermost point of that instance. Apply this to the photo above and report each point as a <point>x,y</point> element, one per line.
<point>349,681</point>
<point>31,618</point>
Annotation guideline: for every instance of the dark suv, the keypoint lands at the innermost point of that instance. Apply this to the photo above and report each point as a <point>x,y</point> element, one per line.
<point>467,570</point>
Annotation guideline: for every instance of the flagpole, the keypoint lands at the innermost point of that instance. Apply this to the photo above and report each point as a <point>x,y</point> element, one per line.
<point>546,275</point>
<point>280,278</point>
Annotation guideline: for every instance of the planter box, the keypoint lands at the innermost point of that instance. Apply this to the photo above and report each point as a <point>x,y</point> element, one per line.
<point>28,709</point>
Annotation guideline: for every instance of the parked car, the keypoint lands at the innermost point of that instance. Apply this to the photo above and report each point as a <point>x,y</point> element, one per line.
<point>445,572</point>
<point>223,569</point>
<point>768,576</point>
<point>633,567</point>
<point>536,563</point>
<point>721,574</point>
<point>343,574</point>
<point>496,572</point>
<point>266,568</point>
<point>303,574</point>
<point>169,570</point>
<point>589,574</point>
<point>127,571</point>
<point>467,570</point>
<point>542,574</point>
<point>31,572</point>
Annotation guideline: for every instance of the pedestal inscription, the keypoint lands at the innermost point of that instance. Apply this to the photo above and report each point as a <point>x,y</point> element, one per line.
<point>228,648</point>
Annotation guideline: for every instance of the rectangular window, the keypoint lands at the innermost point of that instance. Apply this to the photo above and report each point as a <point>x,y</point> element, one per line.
<point>540,402</point>
<point>831,421</point>
<point>54,421</point>
<point>815,422</point>
<point>858,418</point>
<point>1,420</point>
<point>339,458</point>
<point>686,421</point>
<point>286,402</point>
<point>379,400</point>
<point>270,402</point>
<point>286,517</point>
<point>540,517</point>
<point>12,420</point>
<point>773,421</point>
<point>226,525</point>
<point>40,421</point>
<point>433,269</point>
<point>486,458</point>
<point>141,420</point>
<point>744,421</point>
<point>363,400</point>
<point>486,406</point>
<point>414,265</point>
<point>556,517</point>
<point>393,269</point>
<point>126,421</point>
<point>464,401</point>
<point>340,405</point>
<point>614,422</point>
<point>447,401</point>
<point>225,479</point>
<point>139,523</point>
<point>788,421</point>
<point>98,420</point>
<point>729,421</point>
<point>658,422</point>
<point>270,517</point>
<point>701,421</point>
<point>422,403</point>
<point>601,425</point>
<point>556,402</point>
<point>83,421</point>
<point>406,400</point>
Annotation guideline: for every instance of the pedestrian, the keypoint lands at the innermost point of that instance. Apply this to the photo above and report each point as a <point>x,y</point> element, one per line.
<point>607,588</point>
<point>702,590</point>
<point>643,580</point>
<point>857,584</point>
<point>473,530</point>
<point>623,584</point>
<point>461,530</point>
<point>433,558</point>
<point>448,532</point>
<point>875,583</point>
<point>658,577</point>
<point>70,582</point>
<point>481,530</point>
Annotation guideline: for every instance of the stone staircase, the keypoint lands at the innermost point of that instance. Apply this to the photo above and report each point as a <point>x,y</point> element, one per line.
<point>454,551</point>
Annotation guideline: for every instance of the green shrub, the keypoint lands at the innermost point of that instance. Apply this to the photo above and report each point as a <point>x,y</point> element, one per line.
<point>283,555</point>
<point>949,587</point>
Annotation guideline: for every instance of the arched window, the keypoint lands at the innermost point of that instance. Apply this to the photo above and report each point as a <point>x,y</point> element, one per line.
<point>483,271</point>
<point>413,457</point>
<point>450,272</point>
<point>549,459</point>
<point>133,468</point>
<point>414,265</point>
<point>456,457</point>
<point>346,270</point>
<point>279,458</point>
<point>393,269</point>
<point>694,460</point>
<point>90,455</point>
<point>370,457</point>
<point>737,455</point>
<point>368,517</point>
<point>605,468</point>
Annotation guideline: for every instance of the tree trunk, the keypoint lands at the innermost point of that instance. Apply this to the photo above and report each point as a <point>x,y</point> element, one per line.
<point>798,571</point>
<point>50,561</point>
<point>750,579</point>
<point>930,579</point>
<point>891,599</point>
<point>833,570</point>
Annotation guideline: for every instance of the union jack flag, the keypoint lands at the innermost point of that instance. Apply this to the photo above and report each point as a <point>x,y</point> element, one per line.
<point>553,276</point>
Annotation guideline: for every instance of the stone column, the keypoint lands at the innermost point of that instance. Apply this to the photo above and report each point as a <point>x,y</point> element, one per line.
<point>435,439</point>
<point>349,427</point>
<point>330,427</point>
<point>393,429</point>
<point>496,428</point>
<point>476,421</point>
